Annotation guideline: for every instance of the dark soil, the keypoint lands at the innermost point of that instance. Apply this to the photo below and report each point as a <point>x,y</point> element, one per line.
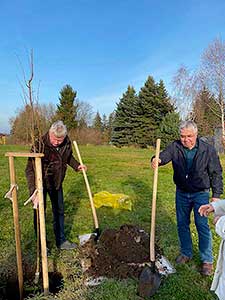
<point>118,253</point>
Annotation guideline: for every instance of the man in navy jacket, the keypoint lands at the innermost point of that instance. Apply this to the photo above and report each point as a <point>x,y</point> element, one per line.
<point>196,168</point>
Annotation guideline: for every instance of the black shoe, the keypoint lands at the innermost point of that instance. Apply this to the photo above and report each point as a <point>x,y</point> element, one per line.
<point>67,246</point>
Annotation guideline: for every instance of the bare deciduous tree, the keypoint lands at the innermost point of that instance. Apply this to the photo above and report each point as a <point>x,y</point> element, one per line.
<point>210,74</point>
<point>185,85</point>
<point>84,114</point>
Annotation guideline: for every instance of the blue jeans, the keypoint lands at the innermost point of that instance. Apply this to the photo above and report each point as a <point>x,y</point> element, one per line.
<point>185,203</point>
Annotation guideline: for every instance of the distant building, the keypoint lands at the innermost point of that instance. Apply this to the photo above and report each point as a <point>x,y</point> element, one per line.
<point>2,139</point>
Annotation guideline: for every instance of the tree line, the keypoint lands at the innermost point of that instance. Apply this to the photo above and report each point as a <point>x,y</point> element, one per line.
<point>138,118</point>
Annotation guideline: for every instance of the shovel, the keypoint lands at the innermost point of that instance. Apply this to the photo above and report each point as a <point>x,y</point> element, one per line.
<point>149,280</point>
<point>86,237</point>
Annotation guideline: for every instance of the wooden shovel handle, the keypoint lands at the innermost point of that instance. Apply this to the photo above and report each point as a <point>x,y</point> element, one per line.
<point>154,194</point>
<point>88,187</point>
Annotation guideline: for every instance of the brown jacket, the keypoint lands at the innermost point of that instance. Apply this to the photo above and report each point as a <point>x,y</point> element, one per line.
<point>54,163</point>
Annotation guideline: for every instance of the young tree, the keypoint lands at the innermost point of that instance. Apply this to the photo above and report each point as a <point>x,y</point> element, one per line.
<point>27,126</point>
<point>67,109</point>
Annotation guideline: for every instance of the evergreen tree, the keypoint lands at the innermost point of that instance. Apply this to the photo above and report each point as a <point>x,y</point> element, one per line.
<point>168,130</point>
<point>67,109</point>
<point>104,123</point>
<point>124,121</point>
<point>206,113</point>
<point>165,104</point>
<point>110,124</point>
<point>154,104</point>
<point>97,122</point>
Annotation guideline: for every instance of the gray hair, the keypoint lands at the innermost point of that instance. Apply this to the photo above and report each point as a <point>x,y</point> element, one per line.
<point>188,125</point>
<point>59,129</point>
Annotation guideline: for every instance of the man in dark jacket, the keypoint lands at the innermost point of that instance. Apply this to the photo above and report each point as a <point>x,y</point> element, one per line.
<point>57,149</point>
<point>196,168</point>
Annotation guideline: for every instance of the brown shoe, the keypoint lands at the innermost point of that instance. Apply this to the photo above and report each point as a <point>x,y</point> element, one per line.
<point>206,269</point>
<point>182,259</point>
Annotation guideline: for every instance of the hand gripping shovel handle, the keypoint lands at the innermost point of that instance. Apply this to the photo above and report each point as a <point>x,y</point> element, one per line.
<point>88,189</point>
<point>154,194</point>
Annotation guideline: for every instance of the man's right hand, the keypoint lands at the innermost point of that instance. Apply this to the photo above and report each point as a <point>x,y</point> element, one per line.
<point>153,163</point>
<point>35,201</point>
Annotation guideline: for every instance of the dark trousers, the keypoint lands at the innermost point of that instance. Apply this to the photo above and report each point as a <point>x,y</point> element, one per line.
<point>57,201</point>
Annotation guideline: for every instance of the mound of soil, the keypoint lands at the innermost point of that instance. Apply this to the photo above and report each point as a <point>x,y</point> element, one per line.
<point>118,253</point>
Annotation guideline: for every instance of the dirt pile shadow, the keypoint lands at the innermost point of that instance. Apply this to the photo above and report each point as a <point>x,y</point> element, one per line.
<point>118,253</point>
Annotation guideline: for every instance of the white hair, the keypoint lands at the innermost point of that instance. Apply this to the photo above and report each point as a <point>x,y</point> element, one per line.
<point>188,125</point>
<point>59,129</point>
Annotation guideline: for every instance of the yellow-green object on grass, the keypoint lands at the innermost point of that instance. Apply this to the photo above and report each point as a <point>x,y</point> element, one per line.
<point>120,201</point>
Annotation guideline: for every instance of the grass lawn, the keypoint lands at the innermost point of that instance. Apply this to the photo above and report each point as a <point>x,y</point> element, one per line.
<point>117,171</point>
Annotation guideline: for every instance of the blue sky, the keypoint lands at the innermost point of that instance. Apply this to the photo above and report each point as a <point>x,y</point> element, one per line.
<point>100,47</point>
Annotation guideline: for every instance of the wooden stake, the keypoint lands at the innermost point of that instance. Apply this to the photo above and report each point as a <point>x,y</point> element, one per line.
<point>39,187</point>
<point>42,225</point>
<point>16,226</point>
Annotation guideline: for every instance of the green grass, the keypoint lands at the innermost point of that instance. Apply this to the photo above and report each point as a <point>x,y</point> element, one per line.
<point>117,171</point>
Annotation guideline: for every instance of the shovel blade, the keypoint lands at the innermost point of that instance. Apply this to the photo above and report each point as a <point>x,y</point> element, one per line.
<point>86,237</point>
<point>149,282</point>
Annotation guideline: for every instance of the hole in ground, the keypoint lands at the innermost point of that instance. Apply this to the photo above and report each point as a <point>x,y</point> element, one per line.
<point>10,290</point>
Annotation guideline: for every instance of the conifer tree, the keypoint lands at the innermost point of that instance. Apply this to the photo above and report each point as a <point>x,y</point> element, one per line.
<point>67,109</point>
<point>154,105</point>
<point>110,124</point>
<point>168,130</point>
<point>206,113</point>
<point>97,122</point>
<point>104,123</point>
<point>124,121</point>
<point>146,125</point>
<point>165,104</point>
